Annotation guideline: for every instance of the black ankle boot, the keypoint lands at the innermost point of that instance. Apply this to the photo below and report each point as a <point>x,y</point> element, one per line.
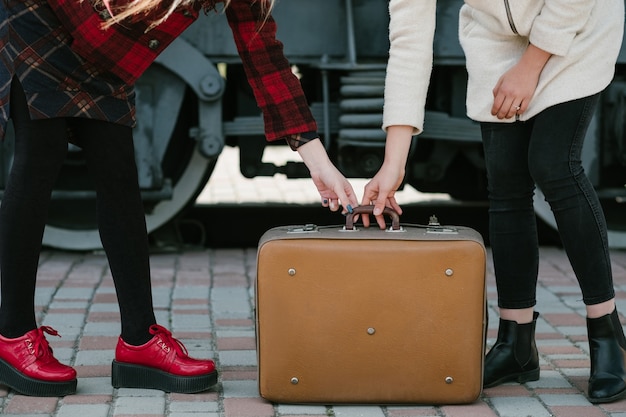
<point>607,347</point>
<point>514,357</point>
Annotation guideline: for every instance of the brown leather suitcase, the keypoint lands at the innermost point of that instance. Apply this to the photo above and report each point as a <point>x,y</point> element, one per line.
<point>349,314</point>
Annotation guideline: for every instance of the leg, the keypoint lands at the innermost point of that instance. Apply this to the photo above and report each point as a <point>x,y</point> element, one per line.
<point>513,238</point>
<point>557,169</point>
<point>26,361</point>
<point>40,148</point>
<point>512,224</point>
<point>147,355</point>
<point>555,163</point>
<point>110,157</point>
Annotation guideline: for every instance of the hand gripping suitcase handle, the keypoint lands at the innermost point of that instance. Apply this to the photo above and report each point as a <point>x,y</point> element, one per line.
<point>395,217</point>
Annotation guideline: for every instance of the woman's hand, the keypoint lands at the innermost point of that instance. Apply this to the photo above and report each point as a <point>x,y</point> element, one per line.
<point>515,89</point>
<point>333,187</point>
<point>381,190</point>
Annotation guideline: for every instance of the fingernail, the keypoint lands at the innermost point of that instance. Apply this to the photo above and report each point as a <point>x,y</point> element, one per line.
<point>349,208</point>
<point>325,201</point>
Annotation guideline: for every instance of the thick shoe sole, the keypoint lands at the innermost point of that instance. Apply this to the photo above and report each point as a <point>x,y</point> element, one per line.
<point>25,385</point>
<point>520,378</point>
<point>614,398</point>
<point>603,400</point>
<point>125,375</point>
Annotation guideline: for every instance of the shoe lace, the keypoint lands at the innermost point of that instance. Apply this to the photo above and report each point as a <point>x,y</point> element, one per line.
<point>167,340</point>
<point>39,344</point>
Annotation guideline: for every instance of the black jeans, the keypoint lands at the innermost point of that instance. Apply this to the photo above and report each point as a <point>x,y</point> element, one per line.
<point>40,150</point>
<point>545,151</point>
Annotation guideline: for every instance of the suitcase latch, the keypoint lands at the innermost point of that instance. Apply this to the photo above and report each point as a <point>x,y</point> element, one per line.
<point>436,228</point>
<point>307,228</point>
<point>433,221</point>
<point>443,230</point>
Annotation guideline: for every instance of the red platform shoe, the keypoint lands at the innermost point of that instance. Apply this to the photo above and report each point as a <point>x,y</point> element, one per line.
<point>161,363</point>
<point>28,366</point>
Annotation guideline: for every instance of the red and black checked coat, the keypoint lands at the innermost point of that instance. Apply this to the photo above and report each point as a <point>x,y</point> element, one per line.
<point>69,67</point>
<point>125,49</point>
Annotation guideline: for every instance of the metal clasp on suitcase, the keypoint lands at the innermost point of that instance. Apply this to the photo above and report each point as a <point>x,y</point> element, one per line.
<point>435,227</point>
<point>388,211</point>
<point>307,228</point>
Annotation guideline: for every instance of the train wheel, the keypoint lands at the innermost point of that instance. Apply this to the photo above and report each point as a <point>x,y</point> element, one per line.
<point>85,236</point>
<point>72,221</point>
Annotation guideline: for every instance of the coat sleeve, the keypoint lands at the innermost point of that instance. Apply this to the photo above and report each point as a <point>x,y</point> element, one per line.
<point>277,90</point>
<point>411,35</point>
<point>558,23</point>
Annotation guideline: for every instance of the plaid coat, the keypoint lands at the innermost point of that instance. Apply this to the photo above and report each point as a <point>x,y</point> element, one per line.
<point>126,49</point>
<point>81,63</point>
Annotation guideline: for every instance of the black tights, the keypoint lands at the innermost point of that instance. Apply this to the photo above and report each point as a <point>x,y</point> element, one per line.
<point>40,149</point>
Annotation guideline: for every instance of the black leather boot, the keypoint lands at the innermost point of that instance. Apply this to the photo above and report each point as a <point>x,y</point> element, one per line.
<point>607,347</point>
<point>514,357</point>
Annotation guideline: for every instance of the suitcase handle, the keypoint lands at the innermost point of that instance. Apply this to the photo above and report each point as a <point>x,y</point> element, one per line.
<point>369,209</point>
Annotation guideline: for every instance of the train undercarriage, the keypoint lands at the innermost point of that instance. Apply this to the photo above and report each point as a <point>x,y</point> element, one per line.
<point>194,100</point>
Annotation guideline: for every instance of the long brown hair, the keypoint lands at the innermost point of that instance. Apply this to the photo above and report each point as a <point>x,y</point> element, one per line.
<point>159,10</point>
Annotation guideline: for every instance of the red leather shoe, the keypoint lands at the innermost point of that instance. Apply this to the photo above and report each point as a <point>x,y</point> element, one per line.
<point>28,366</point>
<point>161,363</point>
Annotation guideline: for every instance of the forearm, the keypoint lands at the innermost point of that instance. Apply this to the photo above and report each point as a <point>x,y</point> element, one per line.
<point>534,59</point>
<point>314,156</point>
<point>397,145</point>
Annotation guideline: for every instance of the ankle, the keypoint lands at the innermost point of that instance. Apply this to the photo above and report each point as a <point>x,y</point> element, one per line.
<point>13,332</point>
<point>519,316</point>
<point>595,311</point>
<point>618,329</point>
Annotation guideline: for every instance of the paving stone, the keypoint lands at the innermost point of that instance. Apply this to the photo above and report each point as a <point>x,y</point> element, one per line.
<point>519,407</point>
<point>240,389</point>
<point>238,358</point>
<point>550,379</point>
<point>301,410</point>
<point>193,407</point>
<point>83,410</point>
<point>358,411</point>
<point>147,405</point>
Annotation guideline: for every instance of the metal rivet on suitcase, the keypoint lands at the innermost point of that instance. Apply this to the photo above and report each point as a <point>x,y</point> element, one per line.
<point>294,380</point>
<point>449,272</point>
<point>371,330</point>
<point>449,380</point>
<point>291,271</point>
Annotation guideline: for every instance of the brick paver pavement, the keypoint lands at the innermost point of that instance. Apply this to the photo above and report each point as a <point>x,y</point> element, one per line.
<point>206,296</point>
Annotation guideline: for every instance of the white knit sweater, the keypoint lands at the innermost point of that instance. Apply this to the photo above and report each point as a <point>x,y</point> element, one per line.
<point>411,34</point>
<point>584,37</point>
